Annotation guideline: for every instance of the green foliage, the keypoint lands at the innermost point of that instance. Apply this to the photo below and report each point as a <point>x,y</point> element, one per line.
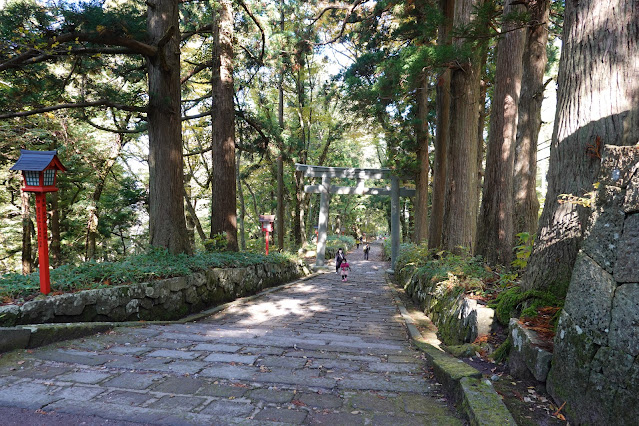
<point>515,302</point>
<point>459,270</point>
<point>334,242</point>
<point>216,244</point>
<point>154,264</point>
<point>523,250</point>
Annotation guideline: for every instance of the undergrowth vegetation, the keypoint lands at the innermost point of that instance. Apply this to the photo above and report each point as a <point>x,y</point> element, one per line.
<point>154,264</point>
<point>496,286</point>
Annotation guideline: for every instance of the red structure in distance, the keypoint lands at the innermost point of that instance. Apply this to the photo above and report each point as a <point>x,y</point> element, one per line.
<point>39,172</point>
<point>266,220</point>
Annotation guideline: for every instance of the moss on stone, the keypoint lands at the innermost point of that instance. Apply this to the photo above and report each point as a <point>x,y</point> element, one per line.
<point>514,302</point>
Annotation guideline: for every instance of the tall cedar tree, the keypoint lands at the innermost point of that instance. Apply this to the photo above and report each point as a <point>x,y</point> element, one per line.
<point>597,103</point>
<point>526,208</point>
<point>421,135</point>
<point>223,205</point>
<point>440,164</point>
<point>462,198</point>
<point>495,227</point>
<point>167,224</point>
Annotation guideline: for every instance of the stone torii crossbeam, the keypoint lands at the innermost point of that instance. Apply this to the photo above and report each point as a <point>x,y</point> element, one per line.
<point>325,189</point>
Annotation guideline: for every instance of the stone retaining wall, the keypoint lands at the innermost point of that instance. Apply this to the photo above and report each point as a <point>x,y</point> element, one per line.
<point>167,299</point>
<point>458,319</point>
<point>595,367</point>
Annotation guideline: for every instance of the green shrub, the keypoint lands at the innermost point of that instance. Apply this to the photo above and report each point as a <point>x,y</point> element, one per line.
<point>460,270</point>
<point>154,264</point>
<point>334,242</point>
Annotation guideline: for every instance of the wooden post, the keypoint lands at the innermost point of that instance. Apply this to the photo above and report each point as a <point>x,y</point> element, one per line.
<point>43,242</point>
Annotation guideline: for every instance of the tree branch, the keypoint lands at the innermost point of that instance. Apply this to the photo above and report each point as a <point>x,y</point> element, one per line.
<point>341,31</point>
<point>259,26</point>
<point>103,38</point>
<point>105,103</point>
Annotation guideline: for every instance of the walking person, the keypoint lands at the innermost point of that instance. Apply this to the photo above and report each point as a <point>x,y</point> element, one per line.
<point>367,248</point>
<point>345,269</point>
<point>339,258</point>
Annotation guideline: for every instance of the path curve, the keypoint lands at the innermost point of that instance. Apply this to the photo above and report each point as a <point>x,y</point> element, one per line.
<point>321,351</point>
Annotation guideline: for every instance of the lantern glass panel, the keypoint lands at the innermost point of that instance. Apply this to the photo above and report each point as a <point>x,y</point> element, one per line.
<point>32,177</point>
<point>49,176</point>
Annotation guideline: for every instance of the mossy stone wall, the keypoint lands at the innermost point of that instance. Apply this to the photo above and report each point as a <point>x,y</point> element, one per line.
<point>595,367</point>
<point>167,299</point>
<point>458,319</point>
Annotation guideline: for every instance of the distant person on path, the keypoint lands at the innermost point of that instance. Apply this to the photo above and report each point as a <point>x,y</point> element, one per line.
<point>345,268</point>
<point>367,248</point>
<point>357,242</point>
<point>339,258</point>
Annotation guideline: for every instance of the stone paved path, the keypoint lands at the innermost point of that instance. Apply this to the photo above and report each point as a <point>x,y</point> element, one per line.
<point>318,352</point>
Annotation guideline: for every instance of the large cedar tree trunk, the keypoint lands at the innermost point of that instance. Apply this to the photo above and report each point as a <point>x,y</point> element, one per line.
<point>462,201</point>
<point>597,103</point>
<point>167,227</point>
<point>280,220</point>
<point>526,208</point>
<point>495,228</point>
<point>223,214</point>
<point>440,164</point>
<point>421,132</point>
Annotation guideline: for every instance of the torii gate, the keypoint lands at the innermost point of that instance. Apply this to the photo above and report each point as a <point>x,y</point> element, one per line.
<point>325,188</point>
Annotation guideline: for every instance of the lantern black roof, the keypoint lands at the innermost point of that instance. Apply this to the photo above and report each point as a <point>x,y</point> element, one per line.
<point>37,160</point>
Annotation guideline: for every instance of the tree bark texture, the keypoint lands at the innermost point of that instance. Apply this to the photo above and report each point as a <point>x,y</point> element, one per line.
<point>167,225</point>
<point>280,203</point>
<point>421,133</point>
<point>526,208</point>
<point>280,161</point>
<point>440,165</point>
<point>495,227</point>
<point>240,195</point>
<point>597,104</point>
<point>27,232</point>
<point>460,219</point>
<point>223,212</point>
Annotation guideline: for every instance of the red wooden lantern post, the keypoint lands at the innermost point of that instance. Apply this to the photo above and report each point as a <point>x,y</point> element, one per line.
<point>39,169</point>
<point>266,220</point>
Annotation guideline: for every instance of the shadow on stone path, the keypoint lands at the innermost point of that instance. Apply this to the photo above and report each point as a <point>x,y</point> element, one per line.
<point>320,351</point>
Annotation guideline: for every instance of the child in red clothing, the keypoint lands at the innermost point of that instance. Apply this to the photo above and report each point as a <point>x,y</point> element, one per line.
<point>345,268</point>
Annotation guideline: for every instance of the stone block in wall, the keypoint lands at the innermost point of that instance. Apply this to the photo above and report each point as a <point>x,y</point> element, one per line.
<point>602,238</point>
<point>108,299</point>
<point>68,304</point>
<point>527,356</point>
<point>133,307</point>
<point>37,310</point>
<point>9,315</point>
<point>589,299</point>
<point>627,266</point>
<point>137,290</point>
<point>631,201</point>
<point>90,297</point>
<point>176,283</point>
<point>624,324</point>
<point>617,165</point>
<point>196,279</point>
<point>191,295</point>
<point>570,370</point>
